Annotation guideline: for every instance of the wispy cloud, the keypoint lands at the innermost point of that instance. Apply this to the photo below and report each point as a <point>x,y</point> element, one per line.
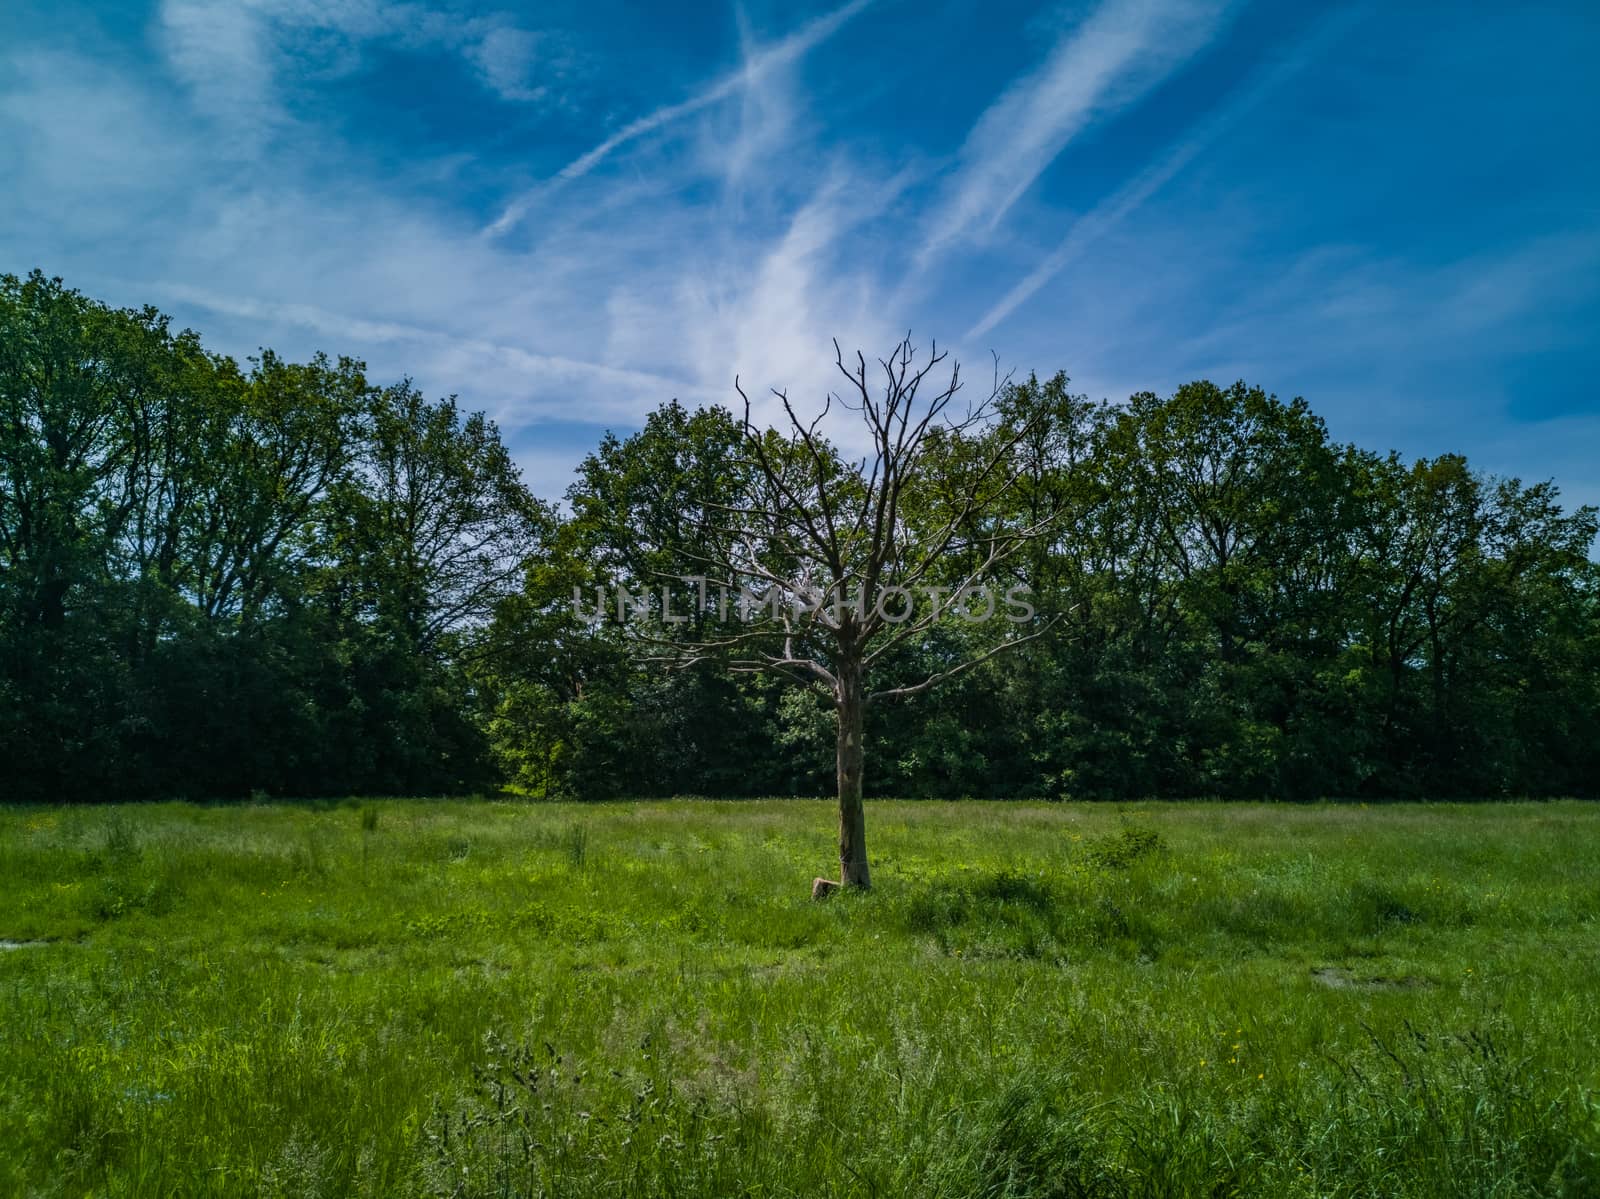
<point>1321,241</point>
<point>773,322</point>
<point>623,392</point>
<point>1123,49</point>
<point>1111,211</point>
<point>505,56</point>
<point>238,56</point>
<point>1332,302</point>
<point>754,68</point>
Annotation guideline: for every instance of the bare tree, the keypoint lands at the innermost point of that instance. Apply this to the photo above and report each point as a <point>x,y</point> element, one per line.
<point>834,548</point>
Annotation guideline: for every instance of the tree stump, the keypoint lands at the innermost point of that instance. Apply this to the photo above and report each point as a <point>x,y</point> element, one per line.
<point>821,888</point>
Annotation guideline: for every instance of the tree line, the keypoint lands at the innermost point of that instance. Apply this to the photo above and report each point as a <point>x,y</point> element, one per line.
<point>220,579</point>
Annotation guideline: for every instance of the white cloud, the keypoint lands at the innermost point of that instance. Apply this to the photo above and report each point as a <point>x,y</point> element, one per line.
<point>631,294</point>
<point>239,57</point>
<point>772,321</point>
<point>1122,50</point>
<point>505,56</point>
<point>224,56</point>
<point>753,71</point>
<point>81,144</point>
<point>741,245</point>
<point>610,393</point>
<point>1116,207</point>
<point>632,291</point>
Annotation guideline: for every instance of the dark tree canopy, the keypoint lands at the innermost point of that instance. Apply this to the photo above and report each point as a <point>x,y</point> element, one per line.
<point>220,578</point>
<point>217,580</point>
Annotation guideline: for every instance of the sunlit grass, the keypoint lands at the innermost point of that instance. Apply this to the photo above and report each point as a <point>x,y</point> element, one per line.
<point>393,998</point>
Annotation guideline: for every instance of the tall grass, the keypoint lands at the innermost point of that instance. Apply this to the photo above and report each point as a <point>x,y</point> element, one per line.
<point>486,999</point>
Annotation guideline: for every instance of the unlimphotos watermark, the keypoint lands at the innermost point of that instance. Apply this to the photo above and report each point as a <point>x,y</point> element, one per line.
<point>974,602</point>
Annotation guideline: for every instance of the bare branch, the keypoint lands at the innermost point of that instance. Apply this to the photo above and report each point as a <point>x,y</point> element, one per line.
<point>963,667</point>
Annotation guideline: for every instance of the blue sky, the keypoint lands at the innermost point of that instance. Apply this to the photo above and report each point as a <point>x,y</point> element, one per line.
<point>569,213</point>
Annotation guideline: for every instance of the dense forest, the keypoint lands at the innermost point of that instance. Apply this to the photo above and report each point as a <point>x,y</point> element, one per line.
<point>219,580</point>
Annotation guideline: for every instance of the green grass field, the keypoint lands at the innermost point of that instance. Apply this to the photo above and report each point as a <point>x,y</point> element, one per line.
<point>472,998</point>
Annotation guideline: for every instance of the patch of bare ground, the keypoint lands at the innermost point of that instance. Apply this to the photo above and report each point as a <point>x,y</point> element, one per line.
<point>1341,979</point>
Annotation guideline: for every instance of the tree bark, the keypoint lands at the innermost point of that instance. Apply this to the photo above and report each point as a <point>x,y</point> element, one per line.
<point>852,703</point>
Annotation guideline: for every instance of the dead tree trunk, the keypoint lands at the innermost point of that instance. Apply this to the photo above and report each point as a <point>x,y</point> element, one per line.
<point>852,701</point>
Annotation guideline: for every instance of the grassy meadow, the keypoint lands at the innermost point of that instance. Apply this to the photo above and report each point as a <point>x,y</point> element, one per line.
<point>484,999</point>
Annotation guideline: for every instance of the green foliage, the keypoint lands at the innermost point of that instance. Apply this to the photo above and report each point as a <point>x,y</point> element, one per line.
<point>217,580</point>
<point>1127,847</point>
<point>220,582</point>
<point>1244,609</point>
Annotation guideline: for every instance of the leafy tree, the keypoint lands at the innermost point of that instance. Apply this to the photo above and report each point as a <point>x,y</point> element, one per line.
<point>218,578</point>
<point>435,518</point>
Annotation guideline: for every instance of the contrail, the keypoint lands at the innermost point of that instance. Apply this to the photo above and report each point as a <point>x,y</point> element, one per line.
<point>786,51</point>
<point>1110,211</point>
